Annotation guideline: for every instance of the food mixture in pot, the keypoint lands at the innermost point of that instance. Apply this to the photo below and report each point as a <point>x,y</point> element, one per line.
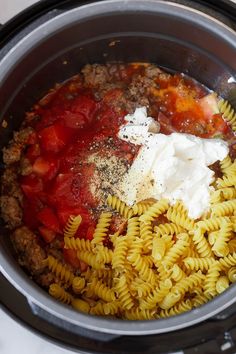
<point>119,191</point>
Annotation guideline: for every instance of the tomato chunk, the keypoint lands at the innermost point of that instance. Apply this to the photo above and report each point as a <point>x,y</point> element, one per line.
<point>55,137</point>
<point>32,186</point>
<point>70,257</point>
<point>49,219</point>
<point>81,112</point>
<point>47,234</point>
<point>46,167</point>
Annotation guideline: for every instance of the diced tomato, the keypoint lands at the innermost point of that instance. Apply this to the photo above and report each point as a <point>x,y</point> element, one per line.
<point>81,112</point>
<point>30,210</point>
<point>70,257</point>
<point>46,167</point>
<point>47,234</point>
<point>49,219</point>
<point>83,266</point>
<point>61,194</point>
<point>32,186</point>
<point>55,137</point>
<point>33,152</point>
<point>90,232</point>
<point>165,124</point>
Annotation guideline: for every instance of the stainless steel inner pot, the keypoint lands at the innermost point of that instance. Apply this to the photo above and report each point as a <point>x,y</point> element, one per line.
<point>49,51</point>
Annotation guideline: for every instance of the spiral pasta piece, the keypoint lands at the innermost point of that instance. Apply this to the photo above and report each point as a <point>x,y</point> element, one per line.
<point>78,244</point>
<point>168,229</point>
<point>104,254</point>
<point>80,305</point>
<point>158,248</point>
<point>225,163</point>
<point>220,247</point>
<point>146,235</point>
<point>180,219</point>
<point>101,229</point>
<point>140,288</point>
<point>61,271</point>
<point>154,211</point>
<point>212,276</point>
<point>181,307</point>
<point>137,314</point>
<point>116,204</point>
<point>226,181</point>
<point>176,251</point>
<point>202,264</point>
<point>156,296</point>
<point>102,291</point>
<point>133,228</point>
<point>232,245</point>
<point>228,261</point>
<point>228,112</point>
<point>177,273</point>
<point>72,225</point>
<point>78,284</point>
<point>142,267</point>
<point>60,294</point>
<point>224,208</point>
<point>89,258</point>
<point>120,253</point>
<point>232,274</point>
<point>202,245</point>
<point>188,283</point>
<point>199,300</point>
<point>123,293</point>
<point>222,284</point>
<point>212,224</point>
<point>142,207</point>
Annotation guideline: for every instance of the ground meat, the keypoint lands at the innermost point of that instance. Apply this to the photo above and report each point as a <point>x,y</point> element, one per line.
<point>25,166</point>
<point>30,253</point>
<point>10,185</point>
<point>11,211</point>
<point>95,75</point>
<point>12,154</point>
<point>151,71</point>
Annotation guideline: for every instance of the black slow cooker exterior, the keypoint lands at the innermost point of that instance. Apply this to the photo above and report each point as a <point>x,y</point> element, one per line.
<point>33,53</point>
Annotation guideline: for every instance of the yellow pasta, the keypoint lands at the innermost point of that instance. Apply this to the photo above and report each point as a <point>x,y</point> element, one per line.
<point>60,270</point>
<point>202,245</point>
<point>78,244</point>
<point>60,294</point>
<point>181,307</point>
<point>80,305</point>
<point>78,284</point>
<point>154,210</point>
<point>72,226</point>
<point>228,112</point>
<point>116,204</point>
<point>101,231</point>
<point>141,207</point>
<point>202,264</point>
<point>180,219</point>
<point>222,284</point>
<point>232,274</point>
<point>154,270</point>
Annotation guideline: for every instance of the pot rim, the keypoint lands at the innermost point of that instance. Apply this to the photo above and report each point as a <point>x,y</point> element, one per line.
<point>16,276</point>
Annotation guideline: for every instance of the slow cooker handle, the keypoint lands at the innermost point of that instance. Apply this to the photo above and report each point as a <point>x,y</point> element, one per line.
<point>91,334</point>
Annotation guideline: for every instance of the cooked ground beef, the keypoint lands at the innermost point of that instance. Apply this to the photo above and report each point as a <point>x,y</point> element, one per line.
<point>30,253</point>
<point>10,185</point>
<point>11,211</point>
<point>12,154</point>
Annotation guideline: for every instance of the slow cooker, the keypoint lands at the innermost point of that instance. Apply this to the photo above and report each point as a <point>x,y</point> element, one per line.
<point>49,43</point>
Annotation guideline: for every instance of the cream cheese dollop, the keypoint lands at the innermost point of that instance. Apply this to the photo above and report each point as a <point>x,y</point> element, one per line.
<point>171,166</point>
